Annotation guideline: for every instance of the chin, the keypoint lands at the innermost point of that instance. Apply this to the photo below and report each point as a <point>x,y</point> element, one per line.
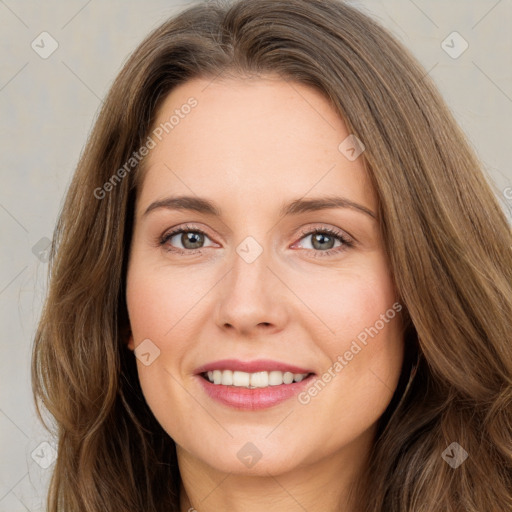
<point>251,456</point>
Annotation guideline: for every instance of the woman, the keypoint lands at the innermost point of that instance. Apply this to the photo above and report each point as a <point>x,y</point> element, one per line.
<point>336,336</point>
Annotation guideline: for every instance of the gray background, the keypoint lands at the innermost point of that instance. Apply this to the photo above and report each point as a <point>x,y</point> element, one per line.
<point>47,109</point>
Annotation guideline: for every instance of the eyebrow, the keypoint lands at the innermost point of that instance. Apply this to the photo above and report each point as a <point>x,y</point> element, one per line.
<point>296,207</point>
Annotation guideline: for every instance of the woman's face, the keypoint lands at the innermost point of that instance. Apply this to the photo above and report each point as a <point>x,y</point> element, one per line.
<point>249,293</point>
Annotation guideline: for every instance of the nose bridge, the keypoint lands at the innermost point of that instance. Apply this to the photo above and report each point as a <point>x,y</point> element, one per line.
<point>250,274</point>
<point>248,297</point>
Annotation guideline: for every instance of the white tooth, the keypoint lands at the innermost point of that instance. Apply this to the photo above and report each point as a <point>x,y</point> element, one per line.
<point>227,378</point>
<point>275,378</point>
<point>259,379</point>
<point>288,377</point>
<point>241,379</point>
<point>254,380</point>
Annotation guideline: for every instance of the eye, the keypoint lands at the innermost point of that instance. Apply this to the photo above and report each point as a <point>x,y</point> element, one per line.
<point>190,237</point>
<point>323,241</point>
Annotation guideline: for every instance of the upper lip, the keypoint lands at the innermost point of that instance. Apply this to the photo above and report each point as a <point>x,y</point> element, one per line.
<point>257,365</point>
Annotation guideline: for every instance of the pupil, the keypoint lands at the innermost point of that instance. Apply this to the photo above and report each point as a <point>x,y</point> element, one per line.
<point>321,238</point>
<point>189,238</point>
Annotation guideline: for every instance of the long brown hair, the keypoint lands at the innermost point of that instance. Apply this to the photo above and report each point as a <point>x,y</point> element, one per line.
<point>448,241</point>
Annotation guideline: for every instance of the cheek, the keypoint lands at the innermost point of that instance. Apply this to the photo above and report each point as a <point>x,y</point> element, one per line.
<point>347,301</point>
<point>156,307</point>
<point>358,326</point>
<point>158,300</point>
<point>163,307</point>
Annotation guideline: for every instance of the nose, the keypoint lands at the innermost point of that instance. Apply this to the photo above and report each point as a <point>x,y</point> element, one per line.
<point>251,298</point>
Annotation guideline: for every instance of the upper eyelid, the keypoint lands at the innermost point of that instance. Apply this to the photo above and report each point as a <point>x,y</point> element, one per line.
<point>331,230</point>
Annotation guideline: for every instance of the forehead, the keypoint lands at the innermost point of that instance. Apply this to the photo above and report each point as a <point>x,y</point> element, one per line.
<point>246,137</point>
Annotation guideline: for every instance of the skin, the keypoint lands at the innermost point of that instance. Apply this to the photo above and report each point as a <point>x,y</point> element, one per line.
<point>251,145</point>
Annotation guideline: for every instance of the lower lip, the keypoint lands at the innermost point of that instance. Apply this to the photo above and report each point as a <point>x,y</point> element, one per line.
<point>253,399</point>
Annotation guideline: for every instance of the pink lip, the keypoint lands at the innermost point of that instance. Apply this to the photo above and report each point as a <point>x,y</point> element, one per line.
<point>258,365</point>
<point>252,399</point>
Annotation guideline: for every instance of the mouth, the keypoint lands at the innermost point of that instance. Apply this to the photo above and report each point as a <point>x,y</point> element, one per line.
<point>252,385</point>
<point>263,379</point>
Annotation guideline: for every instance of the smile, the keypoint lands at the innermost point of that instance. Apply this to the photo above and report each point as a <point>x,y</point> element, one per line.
<point>261,379</point>
<point>252,385</point>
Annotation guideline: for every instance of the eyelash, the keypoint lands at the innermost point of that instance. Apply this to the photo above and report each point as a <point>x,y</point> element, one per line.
<point>347,243</point>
